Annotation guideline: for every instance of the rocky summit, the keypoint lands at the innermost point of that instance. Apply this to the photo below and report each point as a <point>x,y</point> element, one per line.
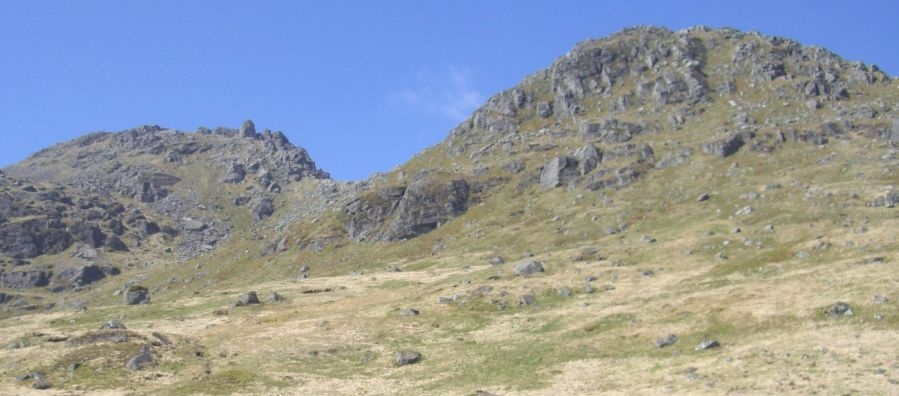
<point>700,211</point>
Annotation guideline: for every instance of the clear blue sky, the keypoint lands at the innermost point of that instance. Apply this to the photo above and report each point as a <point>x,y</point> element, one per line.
<point>362,85</point>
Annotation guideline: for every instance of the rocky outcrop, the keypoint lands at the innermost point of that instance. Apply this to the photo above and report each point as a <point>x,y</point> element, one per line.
<point>394,213</point>
<point>425,205</point>
<point>235,174</point>
<point>559,171</point>
<point>26,279</point>
<point>78,276</point>
<point>34,237</point>
<point>38,220</point>
<point>610,131</point>
<point>148,166</point>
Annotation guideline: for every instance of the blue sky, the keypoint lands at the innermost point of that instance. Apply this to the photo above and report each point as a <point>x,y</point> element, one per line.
<point>363,85</point>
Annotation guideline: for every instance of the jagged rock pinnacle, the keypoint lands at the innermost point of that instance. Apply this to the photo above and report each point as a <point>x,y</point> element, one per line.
<point>247,129</point>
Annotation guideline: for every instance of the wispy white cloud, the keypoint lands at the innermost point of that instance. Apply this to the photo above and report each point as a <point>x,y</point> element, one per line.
<point>449,94</point>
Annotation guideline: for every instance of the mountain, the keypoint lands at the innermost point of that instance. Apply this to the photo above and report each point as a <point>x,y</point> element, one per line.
<point>701,211</point>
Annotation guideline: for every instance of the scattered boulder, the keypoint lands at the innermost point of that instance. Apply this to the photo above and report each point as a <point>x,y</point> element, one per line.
<point>407,357</point>
<point>141,359</point>
<point>667,340</point>
<point>449,299</point>
<point>137,295</point>
<point>113,325</point>
<point>497,260</point>
<point>193,225</point>
<point>724,147</point>
<point>274,297</point>
<point>707,344</point>
<point>528,267</point>
<point>673,159</point>
<point>409,312</point>
<point>703,197</point>
<point>262,208</point>
<point>40,381</point>
<point>559,171</point>
<point>889,200</point>
<point>588,157</point>
<point>247,298</point>
<point>527,299</point>
<point>746,210</point>
<point>86,252</point>
<point>839,309</point>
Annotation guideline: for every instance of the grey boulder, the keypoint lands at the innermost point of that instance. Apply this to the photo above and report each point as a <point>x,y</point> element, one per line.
<point>528,267</point>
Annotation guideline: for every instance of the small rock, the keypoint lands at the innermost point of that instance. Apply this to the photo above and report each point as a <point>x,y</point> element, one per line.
<point>703,197</point>
<point>409,312</point>
<point>40,382</point>
<point>275,297</point>
<point>667,340</point>
<point>140,360</point>
<point>563,292</point>
<point>707,344</point>
<point>497,260</point>
<point>407,357</point>
<point>647,239</point>
<point>744,211</point>
<point>527,299</point>
<point>878,299</point>
<point>691,373</point>
<point>113,325</point>
<point>839,309</point>
<point>448,299</point>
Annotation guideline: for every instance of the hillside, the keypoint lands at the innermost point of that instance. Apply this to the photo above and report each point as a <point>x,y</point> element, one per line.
<point>702,211</point>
